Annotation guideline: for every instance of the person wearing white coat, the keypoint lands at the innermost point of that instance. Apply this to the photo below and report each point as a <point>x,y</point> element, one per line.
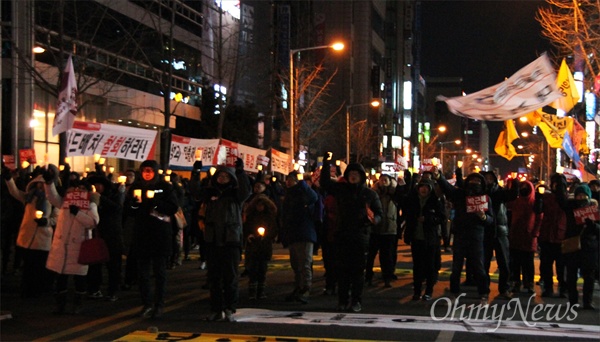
<point>72,227</point>
<point>35,234</point>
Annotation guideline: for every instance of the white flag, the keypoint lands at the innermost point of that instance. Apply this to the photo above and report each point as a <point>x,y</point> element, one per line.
<point>530,88</point>
<point>66,106</point>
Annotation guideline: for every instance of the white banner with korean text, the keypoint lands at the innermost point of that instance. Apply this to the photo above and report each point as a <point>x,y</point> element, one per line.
<point>184,151</point>
<point>280,162</point>
<point>229,151</point>
<point>110,141</point>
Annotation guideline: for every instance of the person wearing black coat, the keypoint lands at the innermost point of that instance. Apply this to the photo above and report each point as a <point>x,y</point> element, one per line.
<point>496,239</point>
<point>152,208</point>
<point>358,210</point>
<point>424,213</point>
<point>224,198</point>
<point>110,228</point>
<point>471,223</point>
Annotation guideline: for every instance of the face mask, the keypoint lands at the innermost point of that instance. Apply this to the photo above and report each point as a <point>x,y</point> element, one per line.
<point>474,188</point>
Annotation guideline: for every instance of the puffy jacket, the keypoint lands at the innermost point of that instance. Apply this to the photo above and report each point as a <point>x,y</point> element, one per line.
<point>352,201</point>
<point>71,231</point>
<point>388,224</point>
<point>267,218</point>
<point>524,227</point>
<point>553,224</point>
<point>32,236</point>
<point>224,203</point>
<point>298,224</point>
<point>433,213</point>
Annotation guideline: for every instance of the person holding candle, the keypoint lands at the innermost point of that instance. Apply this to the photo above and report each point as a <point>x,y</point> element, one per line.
<point>35,234</point>
<point>260,230</point>
<point>153,203</point>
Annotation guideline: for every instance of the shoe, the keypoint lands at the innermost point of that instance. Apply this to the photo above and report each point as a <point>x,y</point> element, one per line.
<point>588,306</point>
<point>467,283</point>
<point>416,297</point>
<point>426,297</point>
<point>356,307</point>
<point>112,298</point>
<point>303,297</point>
<point>157,313</point>
<point>505,295</point>
<point>484,301</point>
<point>341,308</point>
<point>292,296</point>
<point>95,295</point>
<point>202,265</point>
<point>146,312</point>
<point>228,316</point>
<point>215,316</point>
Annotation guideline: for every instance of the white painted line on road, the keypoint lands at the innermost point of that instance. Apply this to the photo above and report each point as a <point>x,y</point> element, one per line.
<point>445,336</point>
<point>418,323</point>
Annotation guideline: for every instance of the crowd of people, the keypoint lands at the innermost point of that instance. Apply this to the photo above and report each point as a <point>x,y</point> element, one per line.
<point>231,215</point>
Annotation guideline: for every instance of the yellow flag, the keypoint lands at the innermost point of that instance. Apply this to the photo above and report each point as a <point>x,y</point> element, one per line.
<point>534,118</point>
<point>566,85</point>
<point>504,145</point>
<point>554,128</point>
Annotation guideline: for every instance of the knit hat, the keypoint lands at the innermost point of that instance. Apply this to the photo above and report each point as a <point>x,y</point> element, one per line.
<point>583,189</point>
<point>293,174</point>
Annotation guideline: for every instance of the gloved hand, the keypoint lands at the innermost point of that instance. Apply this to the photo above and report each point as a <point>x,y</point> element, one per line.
<point>197,165</point>
<point>42,222</point>
<point>48,175</point>
<point>239,164</point>
<point>73,209</point>
<point>327,156</point>
<point>6,174</point>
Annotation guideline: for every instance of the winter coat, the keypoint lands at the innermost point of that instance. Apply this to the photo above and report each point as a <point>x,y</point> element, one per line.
<point>524,227</point>
<point>553,218</point>
<point>388,224</point>
<point>465,222</point>
<point>589,231</point>
<point>32,236</point>
<point>223,216</point>
<point>298,224</point>
<point>110,227</point>
<point>352,201</point>
<point>434,215</point>
<point>256,245</point>
<point>71,231</point>
<point>152,230</point>
<point>500,197</point>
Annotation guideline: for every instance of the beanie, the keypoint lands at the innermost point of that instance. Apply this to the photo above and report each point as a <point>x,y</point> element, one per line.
<point>583,189</point>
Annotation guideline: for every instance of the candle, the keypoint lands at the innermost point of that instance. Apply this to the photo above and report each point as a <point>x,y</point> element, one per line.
<point>212,170</point>
<point>111,169</point>
<point>300,176</point>
<point>274,179</point>
<point>137,193</point>
<point>101,161</point>
<point>169,171</point>
<point>198,154</point>
<point>259,167</point>
<point>39,214</point>
<point>25,164</point>
<point>338,162</point>
<point>150,194</point>
<point>459,163</point>
<point>87,169</point>
<point>96,158</point>
<point>122,179</point>
<point>160,171</point>
<point>61,167</point>
<point>168,179</point>
<point>541,189</point>
<point>261,231</point>
<point>93,188</point>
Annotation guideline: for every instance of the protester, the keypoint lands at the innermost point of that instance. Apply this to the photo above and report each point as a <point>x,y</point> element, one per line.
<point>34,236</point>
<point>224,199</point>
<point>424,214</point>
<point>260,230</point>
<point>358,209</point>
<point>128,223</point>
<point>298,234</point>
<point>153,203</point>
<point>74,225</point>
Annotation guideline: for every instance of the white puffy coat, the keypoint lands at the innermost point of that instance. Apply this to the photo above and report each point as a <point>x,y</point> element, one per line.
<point>32,236</point>
<point>70,232</point>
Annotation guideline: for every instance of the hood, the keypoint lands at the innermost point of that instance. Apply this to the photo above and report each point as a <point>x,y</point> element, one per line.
<point>426,182</point>
<point>529,185</point>
<point>223,168</point>
<point>32,183</point>
<point>479,176</point>
<point>356,167</point>
<point>154,165</point>
<point>490,173</point>
<point>558,179</point>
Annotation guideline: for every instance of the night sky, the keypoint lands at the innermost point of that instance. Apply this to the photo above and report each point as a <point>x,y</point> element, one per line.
<point>483,42</point>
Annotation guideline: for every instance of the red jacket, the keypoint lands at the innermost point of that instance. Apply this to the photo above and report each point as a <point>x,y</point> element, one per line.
<point>554,220</point>
<point>524,228</point>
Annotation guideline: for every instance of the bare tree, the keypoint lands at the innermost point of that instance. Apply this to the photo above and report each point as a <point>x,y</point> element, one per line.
<point>573,26</point>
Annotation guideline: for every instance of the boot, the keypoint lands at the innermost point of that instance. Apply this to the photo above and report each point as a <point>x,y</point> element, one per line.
<point>78,302</point>
<point>260,293</point>
<point>61,303</point>
<point>252,288</point>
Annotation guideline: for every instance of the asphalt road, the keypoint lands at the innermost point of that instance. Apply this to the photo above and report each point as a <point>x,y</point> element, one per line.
<point>388,313</point>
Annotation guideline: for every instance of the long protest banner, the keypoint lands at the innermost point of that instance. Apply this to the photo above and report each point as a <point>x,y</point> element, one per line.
<point>229,151</point>
<point>113,141</point>
<point>184,151</point>
<point>280,162</point>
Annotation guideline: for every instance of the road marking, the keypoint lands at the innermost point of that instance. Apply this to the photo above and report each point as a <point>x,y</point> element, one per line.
<point>141,336</point>
<point>445,336</point>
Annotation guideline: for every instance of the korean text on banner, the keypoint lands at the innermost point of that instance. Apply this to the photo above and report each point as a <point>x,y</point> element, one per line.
<point>66,106</point>
<point>590,212</point>
<point>477,203</point>
<point>229,151</point>
<point>280,162</point>
<point>77,198</point>
<point>530,88</point>
<point>112,141</point>
<point>183,151</point>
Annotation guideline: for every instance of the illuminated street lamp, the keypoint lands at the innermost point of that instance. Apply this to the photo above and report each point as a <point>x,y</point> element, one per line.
<point>442,143</point>
<point>374,104</point>
<point>336,46</point>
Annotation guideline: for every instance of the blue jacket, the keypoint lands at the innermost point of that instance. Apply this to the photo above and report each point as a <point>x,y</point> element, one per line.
<point>298,225</point>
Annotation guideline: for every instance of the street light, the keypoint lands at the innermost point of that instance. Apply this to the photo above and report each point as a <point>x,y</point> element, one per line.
<point>442,143</point>
<point>336,46</point>
<point>374,104</point>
